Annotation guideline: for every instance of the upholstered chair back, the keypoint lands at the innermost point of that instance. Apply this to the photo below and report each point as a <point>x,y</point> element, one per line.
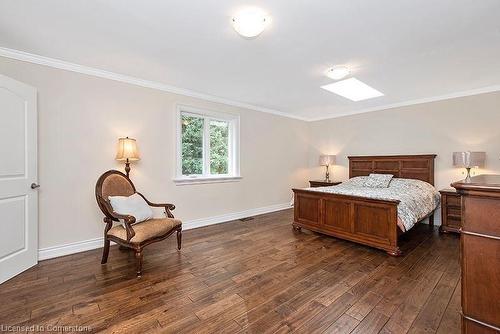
<point>112,183</point>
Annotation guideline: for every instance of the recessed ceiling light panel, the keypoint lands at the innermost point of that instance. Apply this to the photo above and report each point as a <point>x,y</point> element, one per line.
<point>353,89</point>
<point>337,72</point>
<point>250,22</point>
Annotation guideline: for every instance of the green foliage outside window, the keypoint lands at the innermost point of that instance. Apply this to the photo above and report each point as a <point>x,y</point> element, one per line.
<point>219,132</point>
<point>192,146</point>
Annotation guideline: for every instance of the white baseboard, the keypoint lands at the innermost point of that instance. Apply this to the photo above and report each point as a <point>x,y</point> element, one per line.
<point>81,246</point>
<point>233,216</point>
<point>66,249</point>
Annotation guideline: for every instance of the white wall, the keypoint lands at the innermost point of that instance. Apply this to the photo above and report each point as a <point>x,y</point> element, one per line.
<point>460,124</point>
<point>80,119</point>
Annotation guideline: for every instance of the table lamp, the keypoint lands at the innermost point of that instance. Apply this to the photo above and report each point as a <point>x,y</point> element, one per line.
<point>327,160</point>
<point>127,151</point>
<point>469,160</point>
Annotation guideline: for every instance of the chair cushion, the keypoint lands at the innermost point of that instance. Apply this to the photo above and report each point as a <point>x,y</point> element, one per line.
<point>147,229</point>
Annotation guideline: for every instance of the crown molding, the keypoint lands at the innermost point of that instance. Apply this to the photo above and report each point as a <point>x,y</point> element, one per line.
<point>483,90</point>
<point>64,65</point>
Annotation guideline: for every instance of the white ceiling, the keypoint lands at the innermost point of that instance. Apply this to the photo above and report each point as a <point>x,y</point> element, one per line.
<point>409,50</point>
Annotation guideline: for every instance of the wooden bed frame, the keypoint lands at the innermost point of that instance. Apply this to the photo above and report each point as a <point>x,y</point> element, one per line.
<point>370,222</point>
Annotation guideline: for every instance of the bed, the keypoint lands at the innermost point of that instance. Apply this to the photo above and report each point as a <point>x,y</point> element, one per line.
<point>371,218</point>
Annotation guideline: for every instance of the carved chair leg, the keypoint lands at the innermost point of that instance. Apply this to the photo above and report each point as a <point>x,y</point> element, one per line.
<point>179,239</point>
<point>138,256</point>
<point>431,221</point>
<point>105,251</point>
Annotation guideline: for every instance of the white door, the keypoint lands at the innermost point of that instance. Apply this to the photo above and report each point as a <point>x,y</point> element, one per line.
<point>18,178</point>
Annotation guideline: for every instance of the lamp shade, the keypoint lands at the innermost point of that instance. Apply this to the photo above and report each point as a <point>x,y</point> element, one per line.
<point>127,149</point>
<point>469,159</point>
<point>326,160</point>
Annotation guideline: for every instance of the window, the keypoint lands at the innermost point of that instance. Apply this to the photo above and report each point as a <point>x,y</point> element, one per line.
<point>207,146</point>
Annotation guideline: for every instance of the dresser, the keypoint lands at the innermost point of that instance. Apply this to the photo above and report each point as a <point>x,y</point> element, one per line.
<point>451,211</point>
<point>480,253</point>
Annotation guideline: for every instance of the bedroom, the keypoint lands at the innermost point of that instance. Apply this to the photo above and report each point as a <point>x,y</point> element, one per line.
<point>90,73</point>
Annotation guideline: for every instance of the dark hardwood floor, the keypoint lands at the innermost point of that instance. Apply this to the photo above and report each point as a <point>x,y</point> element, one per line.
<point>255,276</point>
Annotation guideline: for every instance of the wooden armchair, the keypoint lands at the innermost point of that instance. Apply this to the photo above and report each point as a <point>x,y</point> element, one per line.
<point>136,237</point>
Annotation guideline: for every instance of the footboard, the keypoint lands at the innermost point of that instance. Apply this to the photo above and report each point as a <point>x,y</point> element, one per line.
<point>366,221</point>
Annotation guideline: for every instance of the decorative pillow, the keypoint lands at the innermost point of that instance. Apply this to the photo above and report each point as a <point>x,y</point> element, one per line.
<point>356,181</point>
<point>133,205</point>
<point>378,180</point>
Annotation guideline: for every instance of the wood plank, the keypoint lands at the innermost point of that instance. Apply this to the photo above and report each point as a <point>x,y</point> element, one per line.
<point>239,277</point>
<point>372,323</point>
<point>450,323</point>
<point>345,324</point>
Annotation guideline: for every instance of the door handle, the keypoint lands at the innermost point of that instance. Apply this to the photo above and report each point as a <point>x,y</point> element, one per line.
<point>34,186</point>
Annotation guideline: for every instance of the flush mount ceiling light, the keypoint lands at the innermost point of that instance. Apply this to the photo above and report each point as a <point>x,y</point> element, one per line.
<point>337,72</point>
<point>353,89</point>
<point>250,22</point>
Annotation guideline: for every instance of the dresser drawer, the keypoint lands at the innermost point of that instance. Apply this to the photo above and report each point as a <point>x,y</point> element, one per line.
<point>454,222</point>
<point>453,212</point>
<point>480,273</point>
<point>454,200</point>
<point>482,215</point>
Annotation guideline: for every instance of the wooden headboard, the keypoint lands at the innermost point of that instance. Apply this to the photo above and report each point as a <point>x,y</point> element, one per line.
<point>419,167</point>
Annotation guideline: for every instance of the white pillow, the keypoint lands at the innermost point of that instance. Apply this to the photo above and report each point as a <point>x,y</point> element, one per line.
<point>133,205</point>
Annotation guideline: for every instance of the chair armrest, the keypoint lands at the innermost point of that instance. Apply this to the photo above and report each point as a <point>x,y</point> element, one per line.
<point>167,206</point>
<point>127,219</point>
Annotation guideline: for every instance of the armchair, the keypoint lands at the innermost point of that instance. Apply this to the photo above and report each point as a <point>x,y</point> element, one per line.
<point>136,237</point>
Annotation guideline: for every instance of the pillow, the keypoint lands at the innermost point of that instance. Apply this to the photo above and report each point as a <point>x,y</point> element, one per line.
<point>356,181</point>
<point>378,180</point>
<point>133,205</point>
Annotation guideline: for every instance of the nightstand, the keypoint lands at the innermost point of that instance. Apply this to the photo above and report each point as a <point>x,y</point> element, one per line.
<point>451,211</point>
<point>323,183</point>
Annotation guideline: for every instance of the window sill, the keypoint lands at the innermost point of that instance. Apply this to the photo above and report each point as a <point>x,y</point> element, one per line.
<point>181,181</point>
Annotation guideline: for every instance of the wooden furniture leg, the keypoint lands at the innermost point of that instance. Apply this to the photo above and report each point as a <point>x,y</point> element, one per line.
<point>396,252</point>
<point>179,239</point>
<point>138,256</point>
<point>431,221</point>
<point>105,251</point>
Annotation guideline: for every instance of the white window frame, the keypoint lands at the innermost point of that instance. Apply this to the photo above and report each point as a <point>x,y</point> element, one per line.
<point>233,150</point>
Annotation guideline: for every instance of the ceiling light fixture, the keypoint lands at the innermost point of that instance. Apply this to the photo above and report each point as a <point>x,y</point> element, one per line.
<point>337,72</point>
<point>353,89</point>
<point>250,22</point>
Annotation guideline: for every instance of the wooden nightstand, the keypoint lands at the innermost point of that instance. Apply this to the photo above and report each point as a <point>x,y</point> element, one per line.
<point>323,183</point>
<point>451,211</point>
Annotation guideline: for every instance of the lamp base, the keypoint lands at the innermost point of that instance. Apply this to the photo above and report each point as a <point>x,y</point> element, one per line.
<point>127,168</point>
<point>467,177</point>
